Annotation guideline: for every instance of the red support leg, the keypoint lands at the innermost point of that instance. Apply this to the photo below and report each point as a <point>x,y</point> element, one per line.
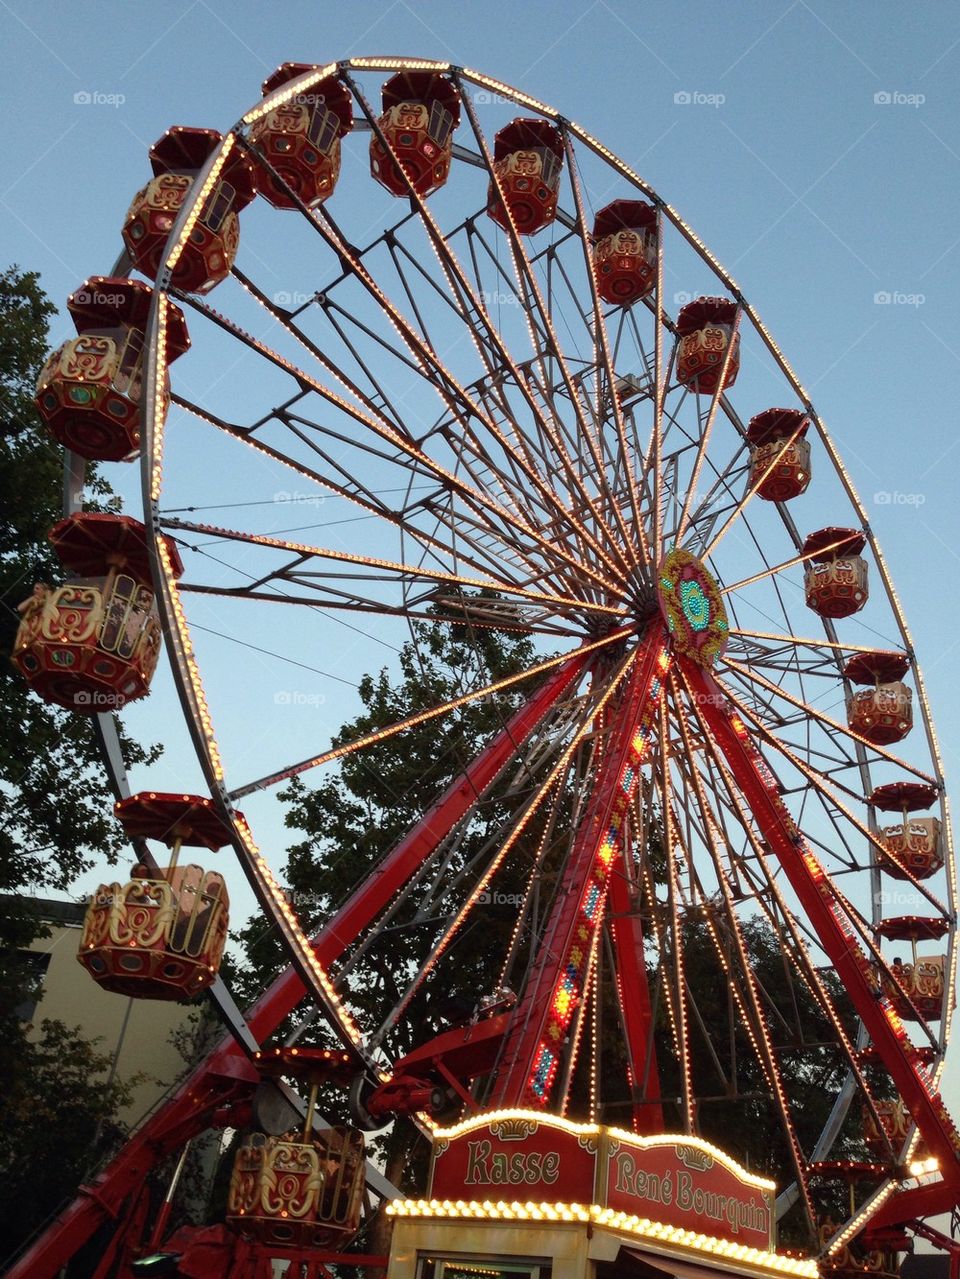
<point>534,1044</point>
<point>634,995</point>
<point>815,891</point>
<point>226,1074</point>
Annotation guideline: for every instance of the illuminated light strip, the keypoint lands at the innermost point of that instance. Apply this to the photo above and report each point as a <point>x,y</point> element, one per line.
<point>791,640</point>
<point>833,724</point>
<point>676,1237</point>
<point>298,938</point>
<point>159,402</point>
<point>536,1116</point>
<point>762,1046</point>
<point>413,570</point>
<point>565,459</point>
<point>289,90</point>
<point>855,954</point>
<point>554,775</point>
<point>448,263</point>
<point>672,839</point>
<point>397,64</point>
<point>803,558</point>
<point>535,866</point>
<point>707,429</point>
<point>660,385</point>
<point>569,988</point>
<point>422,717</point>
<point>199,200</point>
<point>825,786</point>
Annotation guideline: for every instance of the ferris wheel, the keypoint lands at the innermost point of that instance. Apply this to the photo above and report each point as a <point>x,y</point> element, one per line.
<point>556,421</point>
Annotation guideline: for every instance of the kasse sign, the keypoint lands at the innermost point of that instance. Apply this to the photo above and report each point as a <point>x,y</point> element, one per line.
<point>678,1181</point>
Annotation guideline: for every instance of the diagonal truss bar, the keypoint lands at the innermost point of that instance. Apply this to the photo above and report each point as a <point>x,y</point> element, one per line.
<point>303,550</point>
<point>425,716</point>
<point>533,1047</point>
<point>225,1075</point>
<point>823,908</point>
<point>633,996</point>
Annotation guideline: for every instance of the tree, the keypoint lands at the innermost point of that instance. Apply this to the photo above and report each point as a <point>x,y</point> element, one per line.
<point>351,819</point>
<point>57,1115</point>
<point>56,808</point>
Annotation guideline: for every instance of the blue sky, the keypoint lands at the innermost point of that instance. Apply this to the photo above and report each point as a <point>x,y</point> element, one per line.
<point>812,146</point>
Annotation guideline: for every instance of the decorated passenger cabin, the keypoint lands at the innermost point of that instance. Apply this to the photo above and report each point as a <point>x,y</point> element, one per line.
<point>300,139</point>
<point>779,454</point>
<point>421,110</point>
<point>91,645</point>
<point>527,163</point>
<point>88,392</point>
<point>914,848</point>
<point>625,251</point>
<point>299,1189</point>
<point>162,934</point>
<point>835,580</point>
<point>177,159</point>
<point>708,345</point>
<point>882,712</point>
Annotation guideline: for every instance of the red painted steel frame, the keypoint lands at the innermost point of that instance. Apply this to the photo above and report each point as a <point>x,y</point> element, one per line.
<point>226,1074</point>
<point>633,991</point>
<point>529,1026</point>
<point>818,898</point>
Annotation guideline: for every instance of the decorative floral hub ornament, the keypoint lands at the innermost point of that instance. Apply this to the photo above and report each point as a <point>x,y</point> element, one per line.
<point>693,606</point>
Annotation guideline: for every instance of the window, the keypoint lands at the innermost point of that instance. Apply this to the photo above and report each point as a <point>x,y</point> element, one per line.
<point>442,1266</point>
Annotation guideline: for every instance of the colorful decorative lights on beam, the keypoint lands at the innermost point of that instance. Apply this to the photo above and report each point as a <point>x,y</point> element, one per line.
<point>679,1238</point>
<point>569,990</point>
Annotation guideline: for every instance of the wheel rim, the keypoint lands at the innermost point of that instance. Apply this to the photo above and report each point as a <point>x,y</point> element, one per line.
<point>577,555</point>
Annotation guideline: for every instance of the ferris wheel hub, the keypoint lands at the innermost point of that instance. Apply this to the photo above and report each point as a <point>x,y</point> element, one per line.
<point>692,605</point>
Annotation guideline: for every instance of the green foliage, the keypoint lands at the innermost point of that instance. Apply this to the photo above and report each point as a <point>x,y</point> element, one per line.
<point>57,1117</point>
<point>352,818</point>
